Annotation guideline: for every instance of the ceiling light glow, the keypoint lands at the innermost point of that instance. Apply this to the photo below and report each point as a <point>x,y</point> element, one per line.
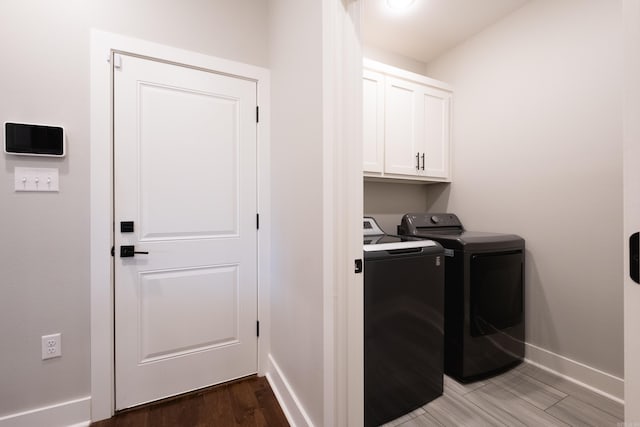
<point>399,5</point>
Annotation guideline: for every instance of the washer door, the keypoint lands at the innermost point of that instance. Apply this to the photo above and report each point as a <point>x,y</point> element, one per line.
<point>496,300</point>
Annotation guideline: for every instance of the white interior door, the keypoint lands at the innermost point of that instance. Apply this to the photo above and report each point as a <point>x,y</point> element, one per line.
<point>185,175</point>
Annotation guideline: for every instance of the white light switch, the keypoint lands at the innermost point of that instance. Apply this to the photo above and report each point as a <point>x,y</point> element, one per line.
<point>36,179</point>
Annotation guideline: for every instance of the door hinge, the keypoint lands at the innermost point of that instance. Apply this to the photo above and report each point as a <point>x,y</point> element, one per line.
<point>113,251</point>
<point>257,221</point>
<point>117,61</point>
<point>257,114</point>
<point>257,328</point>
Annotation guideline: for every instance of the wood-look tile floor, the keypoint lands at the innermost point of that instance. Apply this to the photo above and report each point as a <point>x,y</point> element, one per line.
<point>249,402</point>
<point>524,396</point>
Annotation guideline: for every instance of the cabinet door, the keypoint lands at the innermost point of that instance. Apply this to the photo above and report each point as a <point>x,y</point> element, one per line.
<point>403,141</point>
<point>373,121</point>
<point>436,106</point>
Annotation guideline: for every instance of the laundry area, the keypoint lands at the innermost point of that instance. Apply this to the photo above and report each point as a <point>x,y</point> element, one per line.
<point>474,145</point>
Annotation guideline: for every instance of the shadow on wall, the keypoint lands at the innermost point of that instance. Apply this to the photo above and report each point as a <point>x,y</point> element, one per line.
<point>536,320</point>
<point>388,201</point>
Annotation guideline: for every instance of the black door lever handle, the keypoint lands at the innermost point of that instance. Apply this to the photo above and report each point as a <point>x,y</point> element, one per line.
<point>128,251</point>
<point>634,257</point>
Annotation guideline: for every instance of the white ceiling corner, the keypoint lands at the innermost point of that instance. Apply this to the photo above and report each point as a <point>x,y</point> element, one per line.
<point>430,27</point>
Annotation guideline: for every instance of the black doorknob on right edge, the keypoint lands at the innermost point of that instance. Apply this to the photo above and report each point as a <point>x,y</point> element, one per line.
<point>634,257</point>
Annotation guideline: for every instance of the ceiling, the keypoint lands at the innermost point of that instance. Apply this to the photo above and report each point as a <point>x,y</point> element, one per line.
<point>429,27</point>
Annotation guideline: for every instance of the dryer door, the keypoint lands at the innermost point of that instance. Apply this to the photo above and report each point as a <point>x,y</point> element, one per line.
<point>497,286</point>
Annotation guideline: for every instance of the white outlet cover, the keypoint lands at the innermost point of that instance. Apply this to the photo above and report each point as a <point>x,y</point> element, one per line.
<point>51,346</point>
<point>36,179</point>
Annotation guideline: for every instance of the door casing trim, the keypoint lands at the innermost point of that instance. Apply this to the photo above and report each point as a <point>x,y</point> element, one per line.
<point>103,44</point>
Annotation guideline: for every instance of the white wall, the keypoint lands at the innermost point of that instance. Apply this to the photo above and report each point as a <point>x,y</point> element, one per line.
<point>388,202</point>
<point>538,152</point>
<point>295,55</point>
<point>44,263</point>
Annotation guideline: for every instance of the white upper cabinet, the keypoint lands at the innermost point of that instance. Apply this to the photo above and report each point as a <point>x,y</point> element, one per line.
<point>373,121</point>
<point>436,112</point>
<point>415,123</point>
<point>403,128</point>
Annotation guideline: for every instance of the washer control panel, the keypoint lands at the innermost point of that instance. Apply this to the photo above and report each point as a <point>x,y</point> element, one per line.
<point>371,227</point>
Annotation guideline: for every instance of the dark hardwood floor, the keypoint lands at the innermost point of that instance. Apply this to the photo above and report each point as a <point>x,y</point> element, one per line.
<point>247,402</point>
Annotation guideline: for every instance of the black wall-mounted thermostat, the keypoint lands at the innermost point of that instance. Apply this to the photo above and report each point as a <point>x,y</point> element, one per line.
<point>34,140</point>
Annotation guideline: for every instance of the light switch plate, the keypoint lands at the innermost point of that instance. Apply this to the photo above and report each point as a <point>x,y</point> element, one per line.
<point>36,179</point>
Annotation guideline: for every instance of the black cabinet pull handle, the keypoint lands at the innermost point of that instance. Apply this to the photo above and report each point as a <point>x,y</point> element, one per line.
<point>129,251</point>
<point>422,161</point>
<point>417,161</point>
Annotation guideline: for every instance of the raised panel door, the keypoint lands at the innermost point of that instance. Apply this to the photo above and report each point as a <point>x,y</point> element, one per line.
<point>185,174</point>
<point>403,130</point>
<point>373,121</point>
<point>436,128</point>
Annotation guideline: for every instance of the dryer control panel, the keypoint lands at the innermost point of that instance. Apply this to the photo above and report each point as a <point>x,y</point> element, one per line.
<point>411,222</point>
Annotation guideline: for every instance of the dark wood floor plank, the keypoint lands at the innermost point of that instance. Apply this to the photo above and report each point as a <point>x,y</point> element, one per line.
<point>272,412</point>
<point>155,415</point>
<point>246,410</point>
<point>182,412</point>
<point>218,405</point>
<point>135,418</point>
<point>248,402</point>
<point>139,418</point>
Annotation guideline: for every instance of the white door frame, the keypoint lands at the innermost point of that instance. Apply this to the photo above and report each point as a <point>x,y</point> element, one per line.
<point>342,214</point>
<point>103,44</point>
<point>631,193</point>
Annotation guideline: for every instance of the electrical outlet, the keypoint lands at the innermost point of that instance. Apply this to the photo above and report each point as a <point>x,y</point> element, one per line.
<point>51,346</point>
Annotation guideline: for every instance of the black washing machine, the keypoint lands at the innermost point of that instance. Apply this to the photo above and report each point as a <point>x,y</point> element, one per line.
<point>484,295</point>
<point>403,324</point>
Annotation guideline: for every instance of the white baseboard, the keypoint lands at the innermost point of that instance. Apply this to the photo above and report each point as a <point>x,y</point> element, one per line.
<point>286,396</point>
<point>76,413</point>
<point>584,375</point>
